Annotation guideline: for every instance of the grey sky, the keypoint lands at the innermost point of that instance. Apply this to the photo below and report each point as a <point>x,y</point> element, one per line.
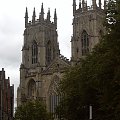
<point>12,14</point>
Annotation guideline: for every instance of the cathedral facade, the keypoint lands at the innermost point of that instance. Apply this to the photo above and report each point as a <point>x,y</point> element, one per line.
<point>42,64</point>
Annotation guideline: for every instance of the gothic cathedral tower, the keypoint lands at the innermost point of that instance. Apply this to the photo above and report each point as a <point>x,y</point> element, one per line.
<point>40,40</point>
<point>40,48</point>
<point>87,28</point>
<point>42,64</point>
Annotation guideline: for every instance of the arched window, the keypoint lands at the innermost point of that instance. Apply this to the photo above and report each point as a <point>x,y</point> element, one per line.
<point>85,43</point>
<point>48,52</point>
<point>54,97</point>
<point>31,89</point>
<point>34,52</point>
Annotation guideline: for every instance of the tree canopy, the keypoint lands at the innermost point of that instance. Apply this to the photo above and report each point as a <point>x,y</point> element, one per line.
<point>32,110</point>
<point>96,81</point>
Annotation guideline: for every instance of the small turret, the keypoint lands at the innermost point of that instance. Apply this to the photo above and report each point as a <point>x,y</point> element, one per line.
<point>86,6</point>
<point>100,4</point>
<point>105,4</point>
<point>41,16</point>
<point>74,7</point>
<point>55,18</point>
<point>48,15</point>
<point>80,4</point>
<point>94,4</point>
<point>26,18</point>
<point>83,5</point>
<point>33,17</point>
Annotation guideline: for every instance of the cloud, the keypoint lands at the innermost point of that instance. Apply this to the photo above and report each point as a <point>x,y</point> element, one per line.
<point>9,50</point>
<point>12,27</point>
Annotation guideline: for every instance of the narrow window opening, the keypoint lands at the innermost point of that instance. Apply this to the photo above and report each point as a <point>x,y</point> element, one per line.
<point>85,43</point>
<point>48,52</point>
<point>34,52</point>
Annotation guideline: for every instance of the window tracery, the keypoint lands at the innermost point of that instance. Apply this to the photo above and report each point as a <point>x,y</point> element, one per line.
<point>34,52</point>
<point>85,43</point>
<point>31,88</point>
<point>54,97</point>
<point>48,52</point>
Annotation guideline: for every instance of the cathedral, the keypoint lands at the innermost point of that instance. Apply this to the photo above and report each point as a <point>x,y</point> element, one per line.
<point>42,64</point>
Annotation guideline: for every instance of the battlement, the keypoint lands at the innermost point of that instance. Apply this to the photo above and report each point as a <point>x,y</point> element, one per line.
<point>83,6</point>
<point>44,22</point>
<point>41,19</point>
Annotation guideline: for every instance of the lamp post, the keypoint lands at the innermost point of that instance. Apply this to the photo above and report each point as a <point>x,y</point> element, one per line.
<point>90,112</point>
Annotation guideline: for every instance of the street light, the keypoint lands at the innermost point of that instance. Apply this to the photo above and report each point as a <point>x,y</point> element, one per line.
<point>90,112</point>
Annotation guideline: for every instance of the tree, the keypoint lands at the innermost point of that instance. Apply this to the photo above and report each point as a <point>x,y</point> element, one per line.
<point>96,81</point>
<point>32,110</point>
<point>77,94</point>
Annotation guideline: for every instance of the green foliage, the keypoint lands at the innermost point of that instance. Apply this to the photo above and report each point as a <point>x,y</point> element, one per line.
<point>96,81</point>
<point>32,110</point>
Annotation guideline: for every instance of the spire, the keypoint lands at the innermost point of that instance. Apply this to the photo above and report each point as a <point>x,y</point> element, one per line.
<point>33,17</point>
<point>83,5</point>
<point>79,4</point>
<point>105,4</point>
<point>55,18</point>
<point>26,18</point>
<point>41,16</point>
<point>26,13</point>
<point>86,5</point>
<point>74,7</point>
<point>48,15</point>
<point>94,4</point>
<point>42,9</point>
<point>100,4</point>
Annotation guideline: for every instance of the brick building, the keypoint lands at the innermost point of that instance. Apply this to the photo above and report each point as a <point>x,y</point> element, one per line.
<point>6,97</point>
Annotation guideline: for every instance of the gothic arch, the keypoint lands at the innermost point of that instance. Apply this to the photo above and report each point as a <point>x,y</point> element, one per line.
<point>54,85</point>
<point>84,42</point>
<point>34,52</point>
<point>54,97</point>
<point>48,52</point>
<point>84,29</point>
<point>31,89</point>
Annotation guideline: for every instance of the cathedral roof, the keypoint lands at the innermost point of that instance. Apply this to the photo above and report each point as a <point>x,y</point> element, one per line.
<point>59,64</point>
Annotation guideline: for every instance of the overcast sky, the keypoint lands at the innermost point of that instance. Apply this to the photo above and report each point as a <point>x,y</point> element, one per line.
<point>12,14</point>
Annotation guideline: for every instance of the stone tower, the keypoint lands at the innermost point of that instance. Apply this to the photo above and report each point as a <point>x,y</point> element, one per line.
<point>40,46</point>
<point>42,64</point>
<point>87,28</point>
<point>40,40</point>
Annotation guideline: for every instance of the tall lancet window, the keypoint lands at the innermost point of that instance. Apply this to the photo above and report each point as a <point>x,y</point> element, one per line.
<point>48,52</point>
<point>85,43</point>
<point>34,52</point>
<point>31,89</point>
<point>54,97</point>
